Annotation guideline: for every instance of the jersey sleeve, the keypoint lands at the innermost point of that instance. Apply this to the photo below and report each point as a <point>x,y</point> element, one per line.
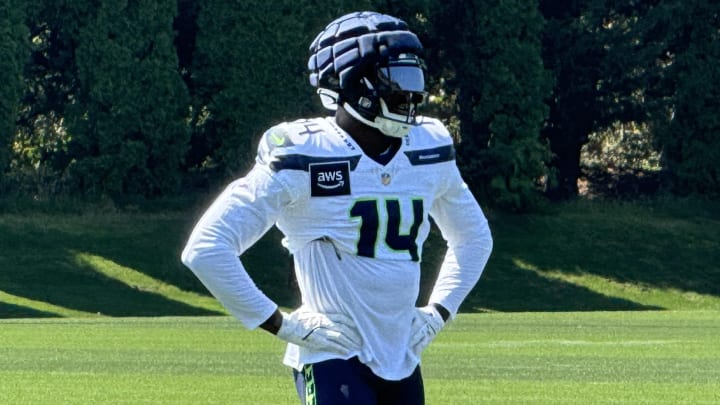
<point>237,219</point>
<point>469,243</point>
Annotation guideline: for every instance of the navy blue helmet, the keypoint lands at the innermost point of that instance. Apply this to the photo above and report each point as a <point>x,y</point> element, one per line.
<point>369,63</point>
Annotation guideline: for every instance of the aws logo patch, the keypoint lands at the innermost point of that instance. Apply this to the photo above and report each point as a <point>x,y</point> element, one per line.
<point>329,179</point>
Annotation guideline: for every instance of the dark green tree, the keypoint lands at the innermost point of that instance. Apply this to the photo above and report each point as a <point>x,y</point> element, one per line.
<point>681,41</point>
<point>592,49</point>
<point>50,86</point>
<point>486,58</point>
<point>248,72</point>
<point>571,49</point>
<point>127,122</point>
<point>14,53</point>
<point>642,62</point>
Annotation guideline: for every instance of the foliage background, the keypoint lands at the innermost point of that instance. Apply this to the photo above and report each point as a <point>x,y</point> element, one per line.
<point>144,99</point>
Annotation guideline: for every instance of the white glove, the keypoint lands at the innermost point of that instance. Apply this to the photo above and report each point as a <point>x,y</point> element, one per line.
<point>316,331</point>
<point>426,324</point>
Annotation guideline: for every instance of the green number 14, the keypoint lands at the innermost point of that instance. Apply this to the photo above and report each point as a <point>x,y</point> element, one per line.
<point>368,212</point>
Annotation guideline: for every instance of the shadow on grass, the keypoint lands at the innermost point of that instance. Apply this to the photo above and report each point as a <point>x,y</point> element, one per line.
<point>19,311</point>
<point>517,290</point>
<point>37,264</point>
<point>504,286</point>
<point>647,247</point>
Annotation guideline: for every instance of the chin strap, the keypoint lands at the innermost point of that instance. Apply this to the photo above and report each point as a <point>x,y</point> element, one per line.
<point>387,126</point>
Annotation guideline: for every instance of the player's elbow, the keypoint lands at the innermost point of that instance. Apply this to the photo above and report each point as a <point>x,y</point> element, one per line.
<point>187,256</point>
<point>487,238</point>
<point>194,255</point>
<point>485,244</point>
<point>191,257</point>
<point>203,254</point>
<point>480,244</point>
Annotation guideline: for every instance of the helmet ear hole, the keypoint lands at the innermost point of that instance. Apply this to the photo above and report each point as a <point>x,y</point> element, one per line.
<point>365,102</point>
<point>363,98</point>
<point>367,105</point>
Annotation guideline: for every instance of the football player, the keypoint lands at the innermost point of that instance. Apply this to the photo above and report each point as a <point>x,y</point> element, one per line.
<point>353,195</point>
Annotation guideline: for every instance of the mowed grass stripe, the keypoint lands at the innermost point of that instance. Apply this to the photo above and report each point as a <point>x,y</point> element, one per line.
<point>501,358</point>
<point>132,389</point>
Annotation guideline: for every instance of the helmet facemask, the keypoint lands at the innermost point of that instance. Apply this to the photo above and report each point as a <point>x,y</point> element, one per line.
<point>388,97</point>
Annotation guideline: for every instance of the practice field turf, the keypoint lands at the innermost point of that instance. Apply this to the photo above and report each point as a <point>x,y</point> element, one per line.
<point>649,357</point>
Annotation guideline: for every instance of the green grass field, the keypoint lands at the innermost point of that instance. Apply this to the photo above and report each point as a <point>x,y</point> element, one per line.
<point>642,357</point>
<point>585,302</point>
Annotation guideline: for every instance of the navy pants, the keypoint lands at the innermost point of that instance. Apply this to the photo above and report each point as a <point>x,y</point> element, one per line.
<point>334,382</point>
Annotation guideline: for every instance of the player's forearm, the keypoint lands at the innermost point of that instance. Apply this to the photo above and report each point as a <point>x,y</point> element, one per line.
<point>273,323</point>
<point>222,273</point>
<point>461,270</point>
<point>234,222</point>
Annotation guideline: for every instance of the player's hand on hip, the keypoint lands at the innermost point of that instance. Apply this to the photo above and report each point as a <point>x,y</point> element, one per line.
<point>426,324</point>
<point>317,331</point>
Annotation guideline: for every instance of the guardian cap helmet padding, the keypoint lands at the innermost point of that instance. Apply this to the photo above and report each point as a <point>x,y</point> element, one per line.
<point>369,63</point>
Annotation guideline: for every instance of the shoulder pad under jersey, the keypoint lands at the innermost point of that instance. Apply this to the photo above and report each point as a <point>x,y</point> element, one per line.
<point>295,145</point>
<point>429,142</point>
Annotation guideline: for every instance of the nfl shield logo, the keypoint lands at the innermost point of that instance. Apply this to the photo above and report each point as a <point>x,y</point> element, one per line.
<point>385,178</point>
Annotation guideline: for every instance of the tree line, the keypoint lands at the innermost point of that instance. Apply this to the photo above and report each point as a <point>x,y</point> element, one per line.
<point>165,97</point>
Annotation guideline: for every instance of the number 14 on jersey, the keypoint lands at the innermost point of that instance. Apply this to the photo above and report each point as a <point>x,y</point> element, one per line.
<point>371,229</point>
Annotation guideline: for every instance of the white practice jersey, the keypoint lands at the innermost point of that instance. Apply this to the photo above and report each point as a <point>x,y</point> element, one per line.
<point>356,229</point>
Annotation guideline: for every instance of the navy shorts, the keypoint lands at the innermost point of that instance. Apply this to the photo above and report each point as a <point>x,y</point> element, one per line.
<point>333,382</point>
